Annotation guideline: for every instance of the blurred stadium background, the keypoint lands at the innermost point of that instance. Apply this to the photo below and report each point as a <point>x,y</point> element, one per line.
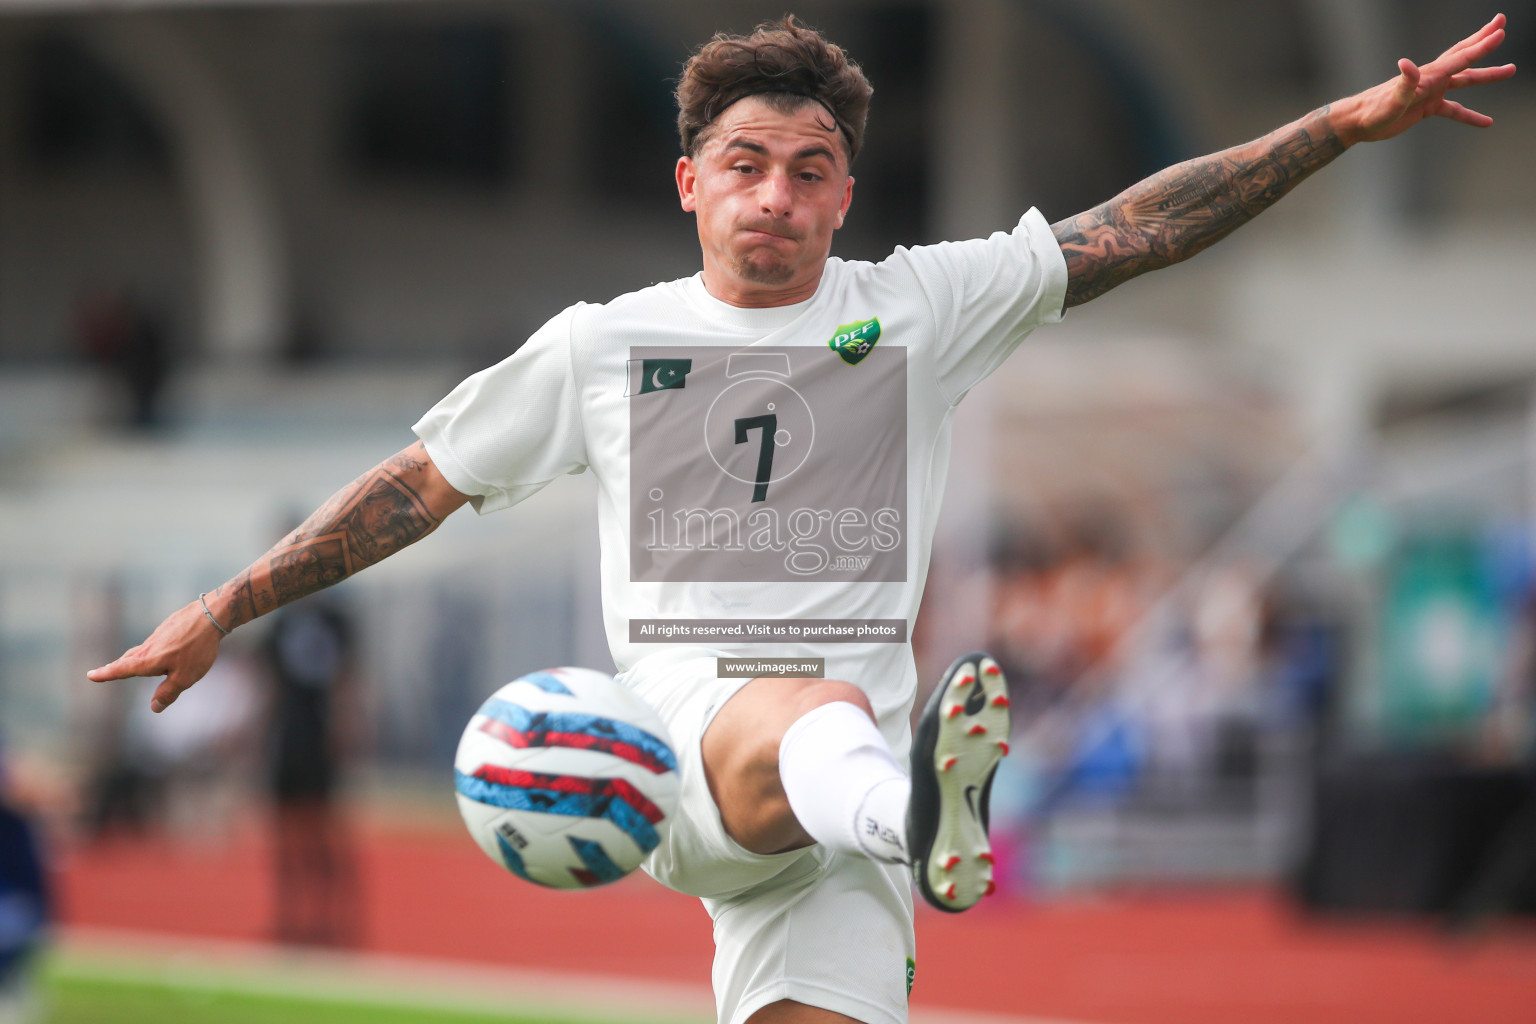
<point>1253,536</point>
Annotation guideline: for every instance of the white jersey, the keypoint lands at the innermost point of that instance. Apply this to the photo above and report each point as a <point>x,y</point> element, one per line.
<point>769,480</point>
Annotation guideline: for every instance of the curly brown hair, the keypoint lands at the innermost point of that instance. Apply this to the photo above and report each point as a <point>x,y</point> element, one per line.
<point>786,63</point>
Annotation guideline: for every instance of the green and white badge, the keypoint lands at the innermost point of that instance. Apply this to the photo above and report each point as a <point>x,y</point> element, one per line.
<point>855,341</point>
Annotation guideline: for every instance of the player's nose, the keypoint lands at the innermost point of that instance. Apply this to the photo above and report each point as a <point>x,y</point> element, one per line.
<point>776,195</point>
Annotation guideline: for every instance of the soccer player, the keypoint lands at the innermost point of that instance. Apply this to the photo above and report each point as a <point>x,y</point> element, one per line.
<point>770,439</point>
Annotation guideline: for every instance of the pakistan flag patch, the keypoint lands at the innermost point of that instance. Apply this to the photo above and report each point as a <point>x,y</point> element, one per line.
<point>856,340</point>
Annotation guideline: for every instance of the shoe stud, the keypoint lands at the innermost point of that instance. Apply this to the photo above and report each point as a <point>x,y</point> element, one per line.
<point>1003,746</point>
<point>1000,701</point>
<point>949,891</point>
<point>991,887</point>
<point>950,862</point>
<point>993,670</point>
<point>948,763</point>
<point>978,729</point>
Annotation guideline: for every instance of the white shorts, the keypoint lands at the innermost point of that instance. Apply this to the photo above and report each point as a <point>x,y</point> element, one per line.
<point>821,928</point>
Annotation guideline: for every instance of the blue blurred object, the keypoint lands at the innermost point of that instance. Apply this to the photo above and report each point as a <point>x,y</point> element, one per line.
<point>1105,762</point>
<point>1308,668</point>
<point>24,904</point>
<point>1507,561</point>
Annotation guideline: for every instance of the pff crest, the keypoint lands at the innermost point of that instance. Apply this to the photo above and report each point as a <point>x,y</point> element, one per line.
<point>856,340</point>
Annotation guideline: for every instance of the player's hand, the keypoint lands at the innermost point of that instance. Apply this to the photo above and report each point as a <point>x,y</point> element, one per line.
<point>1419,92</point>
<point>182,648</point>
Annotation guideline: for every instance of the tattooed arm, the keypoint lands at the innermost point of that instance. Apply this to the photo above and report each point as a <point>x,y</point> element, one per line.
<point>396,503</point>
<point>1178,212</point>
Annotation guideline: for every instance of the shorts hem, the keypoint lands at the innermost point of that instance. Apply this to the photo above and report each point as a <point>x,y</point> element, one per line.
<point>676,862</point>
<point>812,994</point>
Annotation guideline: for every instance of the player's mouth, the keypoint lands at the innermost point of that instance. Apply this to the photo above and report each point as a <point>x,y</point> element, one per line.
<point>760,233</point>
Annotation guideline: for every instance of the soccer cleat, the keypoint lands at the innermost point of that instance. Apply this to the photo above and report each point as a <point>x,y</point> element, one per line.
<point>954,756</point>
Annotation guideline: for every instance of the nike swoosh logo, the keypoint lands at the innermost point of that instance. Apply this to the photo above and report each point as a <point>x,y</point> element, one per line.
<point>970,799</point>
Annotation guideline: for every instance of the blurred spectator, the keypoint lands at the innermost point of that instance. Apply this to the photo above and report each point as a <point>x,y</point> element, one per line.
<point>1092,594</point>
<point>1165,705</point>
<point>185,770</point>
<point>117,795</point>
<point>120,791</point>
<point>24,906</point>
<point>313,722</point>
<point>1059,616</point>
<point>1060,619</point>
<point>1509,736</point>
<point>116,332</point>
<point>1015,634</point>
<point>1229,626</point>
<point>191,762</point>
<point>1505,877</point>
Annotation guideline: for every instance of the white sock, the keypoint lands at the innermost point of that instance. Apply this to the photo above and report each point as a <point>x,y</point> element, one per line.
<point>843,783</point>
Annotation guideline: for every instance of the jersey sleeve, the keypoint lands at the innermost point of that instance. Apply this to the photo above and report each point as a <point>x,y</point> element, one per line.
<point>505,432</point>
<point>987,294</point>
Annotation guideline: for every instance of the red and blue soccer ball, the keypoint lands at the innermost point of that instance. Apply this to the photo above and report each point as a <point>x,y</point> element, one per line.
<point>566,778</point>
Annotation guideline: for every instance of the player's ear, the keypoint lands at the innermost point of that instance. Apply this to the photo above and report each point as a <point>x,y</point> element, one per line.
<point>687,177</point>
<point>847,198</point>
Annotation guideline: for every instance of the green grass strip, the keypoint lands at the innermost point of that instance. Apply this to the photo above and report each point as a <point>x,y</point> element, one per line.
<point>77,998</point>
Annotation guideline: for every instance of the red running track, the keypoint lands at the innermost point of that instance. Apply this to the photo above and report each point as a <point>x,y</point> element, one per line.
<point>1211,957</point>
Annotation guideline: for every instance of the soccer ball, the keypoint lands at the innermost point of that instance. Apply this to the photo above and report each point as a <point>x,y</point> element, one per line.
<point>566,779</point>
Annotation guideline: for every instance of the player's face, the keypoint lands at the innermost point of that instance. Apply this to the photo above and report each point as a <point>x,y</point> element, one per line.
<point>768,189</point>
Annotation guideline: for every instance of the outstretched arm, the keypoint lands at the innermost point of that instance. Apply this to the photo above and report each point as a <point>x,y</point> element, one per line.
<point>396,503</point>
<point>1179,211</point>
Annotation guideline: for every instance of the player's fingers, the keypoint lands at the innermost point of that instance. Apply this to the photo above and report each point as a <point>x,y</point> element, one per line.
<point>1407,81</point>
<point>1479,76</point>
<point>102,673</point>
<point>1494,24</point>
<point>171,687</point>
<point>133,662</point>
<point>1456,112</point>
<point>1466,56</point>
